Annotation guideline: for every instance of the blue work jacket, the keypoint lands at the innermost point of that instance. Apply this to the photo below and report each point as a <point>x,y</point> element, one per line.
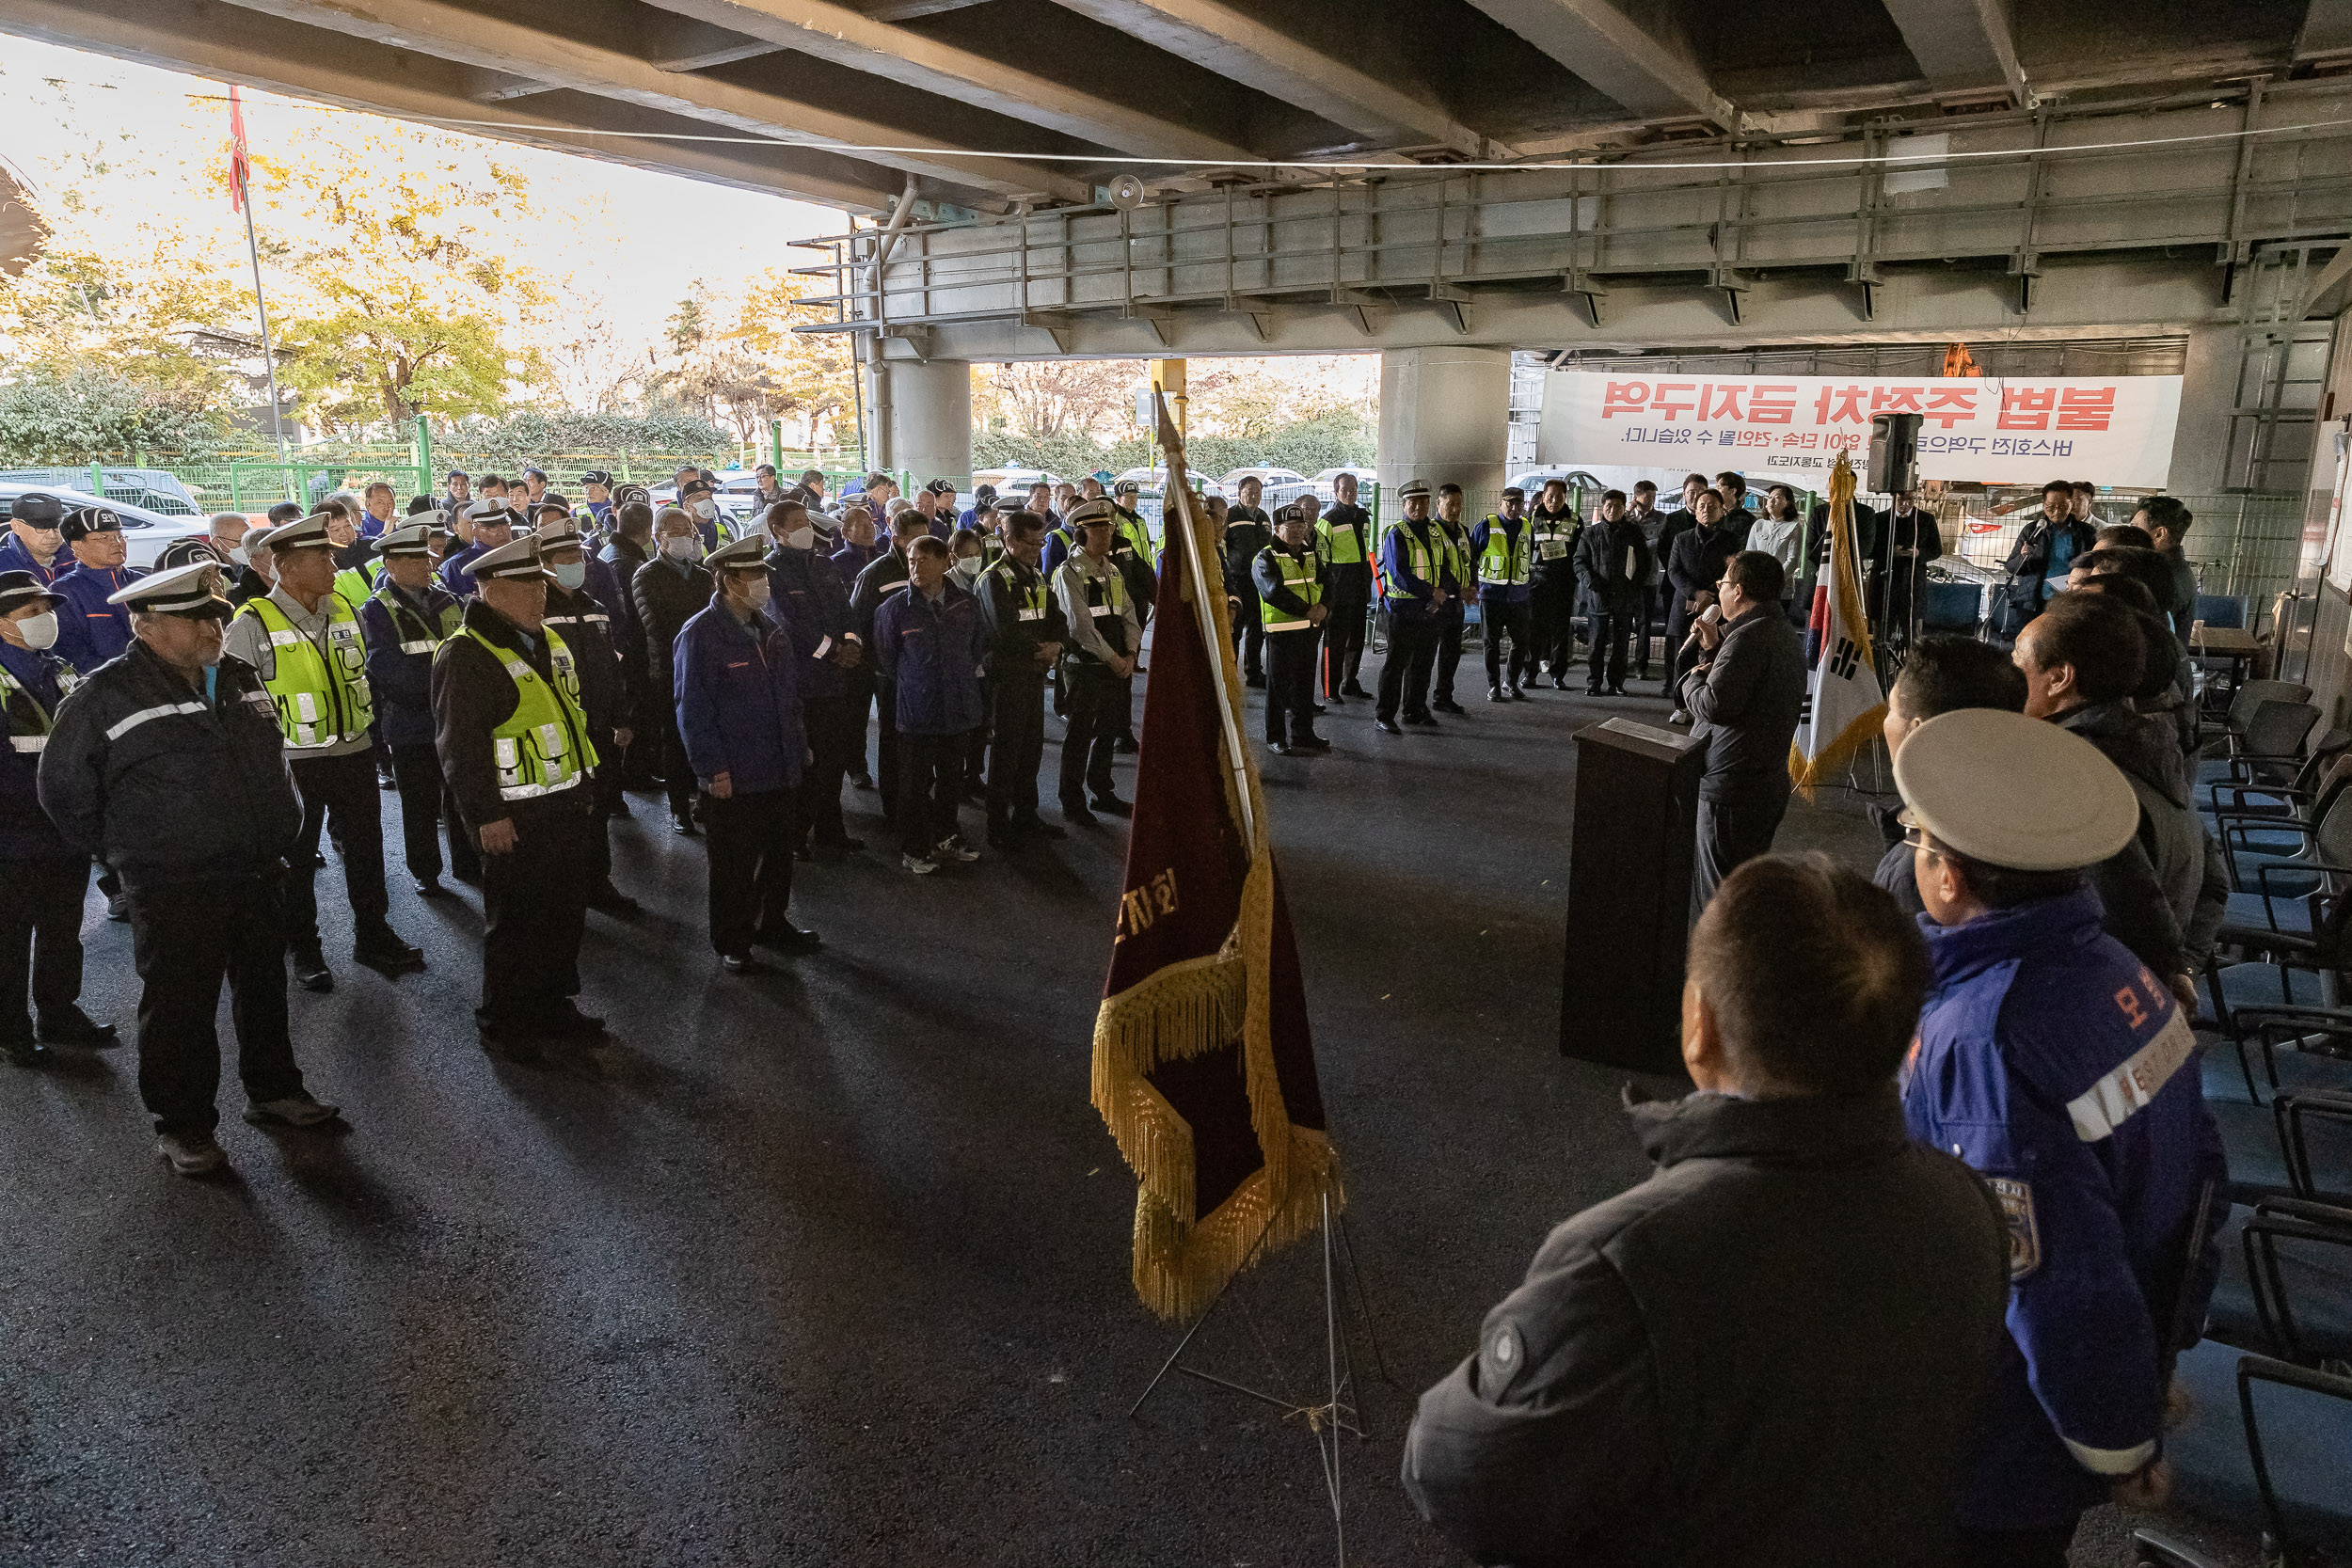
<point>90,632</point>
<point>738,700</point>
<point>36,682</point>
<point>1406,592</point>
<point>807,592</point>
<point>14,557</point>
<point>2060,1067</point>
<point>402,631</point>
<point>455,576</point>
<point>934,652</point>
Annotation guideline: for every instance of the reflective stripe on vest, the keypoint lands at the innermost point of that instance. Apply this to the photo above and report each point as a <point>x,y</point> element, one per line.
<point>542,747</point>
<point>121,727</point>
<point>1504,561</point>
<point>1417,560</point>
<point>416,636</point>
<point>358,583</point>
<point>321,698</point>
<point>1339,546</point>
<point>1031,598</point>
<point>1299,577</point>
<point>10,687</point>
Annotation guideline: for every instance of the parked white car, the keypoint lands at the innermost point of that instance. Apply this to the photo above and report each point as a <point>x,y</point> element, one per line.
<point>144,532</point>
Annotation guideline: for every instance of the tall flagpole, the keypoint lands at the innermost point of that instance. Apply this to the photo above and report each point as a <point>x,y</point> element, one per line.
<point>239,171</point>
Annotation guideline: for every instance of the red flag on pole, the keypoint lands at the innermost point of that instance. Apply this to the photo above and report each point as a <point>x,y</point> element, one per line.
<point>1203,1067</point>
<point>239,166</point>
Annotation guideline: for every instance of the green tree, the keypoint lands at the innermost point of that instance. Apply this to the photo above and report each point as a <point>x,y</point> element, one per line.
<point>92,414</point>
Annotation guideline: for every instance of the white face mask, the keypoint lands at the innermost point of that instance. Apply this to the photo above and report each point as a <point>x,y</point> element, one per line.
<point>756,592</point>
<point>705,507</point>
<point>968,569</point>
<point>681,548</point>
<point>800,539</point>
<point>570,574</point>
<point>38,631</point>
<point>240,555</point>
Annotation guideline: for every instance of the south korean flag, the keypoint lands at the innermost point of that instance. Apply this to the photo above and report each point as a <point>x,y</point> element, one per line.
<point>1843,705</point>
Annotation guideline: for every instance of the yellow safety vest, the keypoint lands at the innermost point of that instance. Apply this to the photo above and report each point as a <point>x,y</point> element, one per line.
<point>1339,546</point>
<point>1131,529</point>
<point>1504,561</point>
<point>358,583</point>
<point>1028,599</point>
<point>542,747</point>
<point>321,699</point>
<point>1298,576</point>
<point>1418,556</point>
<point>415,636</point>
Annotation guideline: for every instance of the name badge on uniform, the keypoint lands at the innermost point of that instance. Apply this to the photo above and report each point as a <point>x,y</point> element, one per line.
<point>1552,549</point>
<point>1102,611</point>
<point>1033,615</point>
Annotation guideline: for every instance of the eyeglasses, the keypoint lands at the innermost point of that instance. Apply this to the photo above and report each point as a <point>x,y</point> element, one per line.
<point>1914,834</point>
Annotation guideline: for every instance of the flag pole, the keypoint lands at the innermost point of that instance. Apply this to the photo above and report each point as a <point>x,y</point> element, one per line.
<point>1236,751</point>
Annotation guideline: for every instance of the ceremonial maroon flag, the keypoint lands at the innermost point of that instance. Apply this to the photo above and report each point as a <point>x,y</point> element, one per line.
<point>239,166</point>
<point>1203,1066</point>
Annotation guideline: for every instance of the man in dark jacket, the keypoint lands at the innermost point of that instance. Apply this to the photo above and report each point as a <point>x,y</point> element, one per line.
<point>2066,1073</point>
<point>2166,522</point>
<point>2043,554</point>
<point>930,643</point>
<point>1343,543</point>
<point>1419,578</point>
<point>1612,568</point>
<point>1744,695</point>
<point>668,590</point>
<point>1909,538</point>
<point>1248,530</point>
<point>627,545</point>
<point>1692,571</point>
<point>740,708</point>
<point>513,742</point>
<point>1502,564</point>
<point>579,616</point>
<point>1027,635</point>
<point>2082,658</point>
<point>809,598</point>
<point>1769,1354</point>
<point>404,620</point>
<point>167,764</point>
<point>883,578</point>
<point>40,916</point>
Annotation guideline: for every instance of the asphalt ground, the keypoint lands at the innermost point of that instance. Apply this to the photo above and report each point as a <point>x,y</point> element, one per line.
<point>823,1267</point>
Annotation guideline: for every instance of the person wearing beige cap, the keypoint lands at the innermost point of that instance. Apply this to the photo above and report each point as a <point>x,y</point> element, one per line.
<point>2064,1071</point>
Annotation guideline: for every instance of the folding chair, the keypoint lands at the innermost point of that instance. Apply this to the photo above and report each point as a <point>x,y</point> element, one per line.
<point>2269,750</point>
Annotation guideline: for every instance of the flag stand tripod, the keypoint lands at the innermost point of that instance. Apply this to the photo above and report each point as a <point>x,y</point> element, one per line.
<point>1338,1413</point>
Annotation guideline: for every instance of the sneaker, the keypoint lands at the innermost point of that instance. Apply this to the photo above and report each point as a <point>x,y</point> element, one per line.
<point>73,1026</point>
<point>1680,716</point>
<point>311,971</point>
<point>118,907</point>
<point>1279,747</point>
<point>294,1110</point>
<point>191,1153</point>
<point>920,865</point>
<point>1422,720</point>
<point>1386,726</point>
<point>1494,694</point>
<point>744,963</point>
<point>684,827</point>
<point>952,849</point>
<point>431,887</point>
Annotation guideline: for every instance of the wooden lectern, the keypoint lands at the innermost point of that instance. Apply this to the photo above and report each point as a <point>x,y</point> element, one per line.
<point>1637,796</point>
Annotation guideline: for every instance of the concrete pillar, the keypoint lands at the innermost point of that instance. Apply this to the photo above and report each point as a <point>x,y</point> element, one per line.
<point>927,420</point>
<point>2200,443</point>
<point>1445,415</point>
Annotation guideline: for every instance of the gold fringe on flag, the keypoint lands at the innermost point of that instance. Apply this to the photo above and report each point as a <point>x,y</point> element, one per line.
<point>1806,772</point>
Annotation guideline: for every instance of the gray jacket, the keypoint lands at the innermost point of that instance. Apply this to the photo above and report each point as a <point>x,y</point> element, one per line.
<point>1769,1354</point>
<point>1746,700</point>
<point>2188,864</point>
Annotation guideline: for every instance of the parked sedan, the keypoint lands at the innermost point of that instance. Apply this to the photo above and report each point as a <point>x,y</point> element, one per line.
<point>144,532</point>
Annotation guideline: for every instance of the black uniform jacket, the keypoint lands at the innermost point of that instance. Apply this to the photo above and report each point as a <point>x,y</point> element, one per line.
<point>1767,1354</point>
<point>472,695</point>
<point>1012,640</point>
<point>586,628</point>
<point>666,598</point>
<point>166,785</point>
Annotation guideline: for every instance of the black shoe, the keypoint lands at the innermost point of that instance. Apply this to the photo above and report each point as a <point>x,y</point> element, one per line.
<point>1254,682</point>
<point>24,1053</point>
<point>1079,814</point>
<point>386,783</point>
<point>862,781</point>
<point>1311,743</point>
<point>1279,747</point>
<point>568,1022</point>
<point>1031,827</point>
<point>789,939</point>
<point>1334,699</point>
<point>311,971</point>
<point>75,1027</point>
<point>1616,691</point>
<point>1559,683</point>
<point>1386,726</point>
<point>431,887</point>
<point>1446,705</point>
<point>1494,694</point>
<point>1421,721</point>
<point>383,949</point>
<point>743,963</point>
<point>1111,805</point>
<point>1125,745</point>
<point>508,1043</point>
<point>607,899</point>
<point>118,907</point>
<point>684,827</point>
<point>470,875</point>
<point>1354,689</point>
<point>1592,692</point>
<point>1317,708</point>
<point>1003,835</point>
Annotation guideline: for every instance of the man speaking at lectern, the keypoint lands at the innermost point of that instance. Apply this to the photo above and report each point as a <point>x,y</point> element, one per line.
<point>1746,695</point>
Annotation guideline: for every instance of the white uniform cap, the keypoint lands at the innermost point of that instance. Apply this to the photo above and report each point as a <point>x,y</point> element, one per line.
<point>2014,792</point>
<point>738,555</point>
<point>516,557</point>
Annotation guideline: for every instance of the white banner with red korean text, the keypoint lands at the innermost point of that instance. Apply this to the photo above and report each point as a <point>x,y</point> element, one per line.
<point>2112,430</point>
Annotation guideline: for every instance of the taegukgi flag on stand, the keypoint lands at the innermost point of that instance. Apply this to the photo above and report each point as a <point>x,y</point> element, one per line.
<point>1843,705</point>
<point>1203,1066</point>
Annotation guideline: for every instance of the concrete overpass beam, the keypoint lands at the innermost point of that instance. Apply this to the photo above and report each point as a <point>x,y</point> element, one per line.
<point>1962,44</point>
<point>450,32</point>
<point>2201,442</point>
<point>1445,416</point>
<point>1232,43</point>
<point>1652,71</point>
<point>862,42</point>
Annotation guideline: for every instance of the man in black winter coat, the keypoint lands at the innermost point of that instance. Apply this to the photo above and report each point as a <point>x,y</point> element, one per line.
<point>1613,569</point>
<point>1745,696</point>
<point>1248,530</point>
<point>581,620</point>
<point>1770,1354</point>
<point>668,590</point>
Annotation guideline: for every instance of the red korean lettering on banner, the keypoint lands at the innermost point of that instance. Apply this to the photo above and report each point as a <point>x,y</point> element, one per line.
<point>1720,402</point>
<point>1771,402</point>
<point>1950,405</point>
<point>2027,407</point>
<point>1624,397</point>
<point>1848,406</point>
<point>1895,399</point>
<point>2085,408</point>
<point>1666,407</point>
